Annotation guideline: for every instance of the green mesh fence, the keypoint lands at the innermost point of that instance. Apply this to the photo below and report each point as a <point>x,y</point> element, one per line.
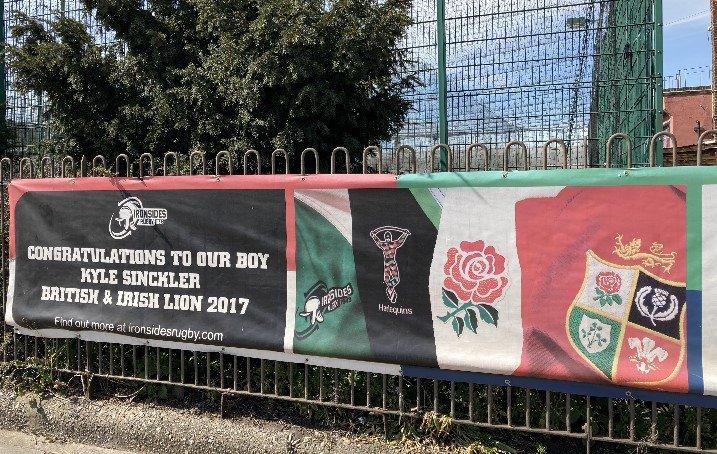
<point>624,81</point>
<point>532,70</point>
<point>528,70</point>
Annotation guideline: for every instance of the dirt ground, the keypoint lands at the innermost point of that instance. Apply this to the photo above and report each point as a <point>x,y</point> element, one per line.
<point>148,428</point>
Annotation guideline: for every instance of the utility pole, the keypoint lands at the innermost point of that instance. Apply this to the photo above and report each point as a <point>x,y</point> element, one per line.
<point>713,34</point>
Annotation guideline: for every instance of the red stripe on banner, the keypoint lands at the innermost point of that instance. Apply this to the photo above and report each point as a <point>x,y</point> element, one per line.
<point>336,181</point>
<point>19,187</point>
<point>15,192</point>
<point>290,230</point>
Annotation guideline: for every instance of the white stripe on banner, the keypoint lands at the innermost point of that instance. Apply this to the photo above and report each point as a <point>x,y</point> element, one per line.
<point>333,205</point>
<point>471,216</point>
<point>10,294</point>
<point>290,311</point>
<point>96,336</point>
<point>709,290</point>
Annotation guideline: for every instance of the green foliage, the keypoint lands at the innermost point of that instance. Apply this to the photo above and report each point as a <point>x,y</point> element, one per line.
<point>209,75</point>
<point>30,377</point>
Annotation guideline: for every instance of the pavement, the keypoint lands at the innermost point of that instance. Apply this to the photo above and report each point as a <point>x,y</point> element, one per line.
<point>22,443</point>
<point>139,427</point>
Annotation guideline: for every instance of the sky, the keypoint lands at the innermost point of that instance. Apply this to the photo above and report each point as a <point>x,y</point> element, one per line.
<point>686,40</point>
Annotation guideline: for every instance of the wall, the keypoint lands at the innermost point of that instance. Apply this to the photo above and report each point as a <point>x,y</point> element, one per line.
<point>682,109</point>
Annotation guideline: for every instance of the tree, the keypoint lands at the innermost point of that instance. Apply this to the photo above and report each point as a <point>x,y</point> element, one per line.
<point>210,75</point>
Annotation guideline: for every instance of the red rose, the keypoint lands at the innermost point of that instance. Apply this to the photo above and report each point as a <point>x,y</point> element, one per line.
<point>475,272</point>
<point>608,281</point>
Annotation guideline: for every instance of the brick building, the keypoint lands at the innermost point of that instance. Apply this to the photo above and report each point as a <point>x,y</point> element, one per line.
<point>686,114</point>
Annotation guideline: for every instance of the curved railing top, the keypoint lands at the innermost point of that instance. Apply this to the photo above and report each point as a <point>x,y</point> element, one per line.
<point>372,157</point>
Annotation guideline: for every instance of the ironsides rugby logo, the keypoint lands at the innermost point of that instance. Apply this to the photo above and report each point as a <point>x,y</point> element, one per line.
<point>130,214</point>
<point>319,301</point>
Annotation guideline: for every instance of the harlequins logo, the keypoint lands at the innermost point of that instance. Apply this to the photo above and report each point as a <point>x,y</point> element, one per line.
<point>321,300</point>
<point>130,214</point>
<point>389,239</point>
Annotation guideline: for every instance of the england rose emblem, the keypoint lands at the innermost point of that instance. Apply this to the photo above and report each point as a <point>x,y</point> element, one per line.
<point>475,272</point>
<point>607,287</point>
<point>475,278</point>
<point>608,281</point>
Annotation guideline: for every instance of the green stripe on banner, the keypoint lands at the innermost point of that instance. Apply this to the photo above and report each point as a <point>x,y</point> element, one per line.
<point>694,288</point>
<point>694,236</point>
<point>428,204</point>
<point>561,177</point>
<point>340,329</point>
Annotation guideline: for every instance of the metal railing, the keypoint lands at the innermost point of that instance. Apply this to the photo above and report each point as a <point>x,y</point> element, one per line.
<point>626,421</point>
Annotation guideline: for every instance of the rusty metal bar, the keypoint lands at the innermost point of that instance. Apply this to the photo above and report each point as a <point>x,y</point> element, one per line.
<point>258,161</point>
<point>379,158</point>
<point>608,148</point>
<point>228,155</point>
<point>399,155</point>
<point>46,162</point>
<point>506,150</point>
<point>561,145</point>
<point>165,165</point>
<point>469,151</point>
<point>547,410</point>
<point>701,143</point>
<point>303,160</point>
<point>449,154</point>
<point>119,158</point>
<point>142,157</point>
<point>95,160</point>
<point>347,159</point>
<point>368,389</point>
<point>202,160</point>
<point>274,154</point>
<point>653,141</point>
<point>63,166</point>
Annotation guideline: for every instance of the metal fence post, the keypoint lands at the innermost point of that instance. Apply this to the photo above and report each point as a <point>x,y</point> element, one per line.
<point>3,94</point>
<point>442,84</point>
<point>657,77</point>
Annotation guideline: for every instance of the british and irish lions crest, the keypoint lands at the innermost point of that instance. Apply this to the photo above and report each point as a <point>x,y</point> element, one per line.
<point>626,322</point>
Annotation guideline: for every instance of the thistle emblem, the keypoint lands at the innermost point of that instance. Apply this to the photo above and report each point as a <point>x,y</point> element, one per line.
<point>662,306</point>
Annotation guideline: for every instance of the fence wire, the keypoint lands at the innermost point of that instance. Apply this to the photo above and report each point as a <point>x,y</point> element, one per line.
<point>529,70</point>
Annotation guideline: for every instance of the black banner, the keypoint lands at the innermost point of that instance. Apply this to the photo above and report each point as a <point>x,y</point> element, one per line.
<point>195,266</point>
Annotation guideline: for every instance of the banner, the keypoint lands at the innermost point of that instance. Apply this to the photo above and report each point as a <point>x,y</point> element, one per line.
<point>595,276</point>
